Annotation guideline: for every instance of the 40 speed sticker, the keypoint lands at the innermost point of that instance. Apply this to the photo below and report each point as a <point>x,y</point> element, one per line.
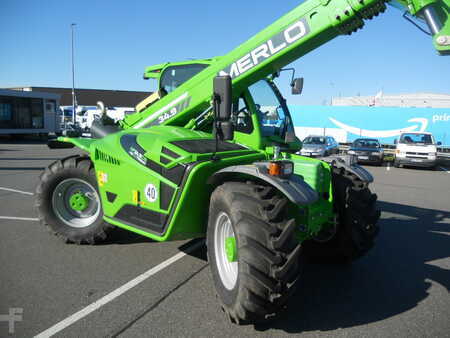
<point>151,193</point>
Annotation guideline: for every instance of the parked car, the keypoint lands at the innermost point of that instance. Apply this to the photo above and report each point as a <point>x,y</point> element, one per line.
<point>318,146</point>
<point>367,150</point>
<point>416,149</point>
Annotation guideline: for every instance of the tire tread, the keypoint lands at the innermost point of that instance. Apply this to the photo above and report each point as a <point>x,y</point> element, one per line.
<point>268,251</point>
<point>75,162</point>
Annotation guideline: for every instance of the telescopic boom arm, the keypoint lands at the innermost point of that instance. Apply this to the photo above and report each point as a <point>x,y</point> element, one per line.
<point>310,25</point>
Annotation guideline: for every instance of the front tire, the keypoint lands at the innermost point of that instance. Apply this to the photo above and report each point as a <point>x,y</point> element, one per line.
<point>355,228</point>
<point>255,278</point>
<point>68,201</point>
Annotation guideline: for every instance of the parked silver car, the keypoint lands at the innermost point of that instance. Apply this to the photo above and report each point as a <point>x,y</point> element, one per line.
<point>318,146</point>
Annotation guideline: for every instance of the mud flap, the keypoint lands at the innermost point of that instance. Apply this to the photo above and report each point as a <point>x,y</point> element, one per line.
<point>293,187</point>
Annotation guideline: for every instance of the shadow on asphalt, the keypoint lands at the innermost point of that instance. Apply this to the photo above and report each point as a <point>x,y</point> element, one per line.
<point>22,168</point>
<point>29,158</point>
<point>121,236</point>
<point>200,253</point>
<point>392,279</point>
<point>30,140</point>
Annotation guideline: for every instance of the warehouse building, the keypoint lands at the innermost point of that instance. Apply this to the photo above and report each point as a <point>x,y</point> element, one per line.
<point>90,97</point>
<point>417,100</point>
<point>28,112</point>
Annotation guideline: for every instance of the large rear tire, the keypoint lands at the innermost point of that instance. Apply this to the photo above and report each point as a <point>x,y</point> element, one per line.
<point>355,226</point>
<point>252,251</point>
<point>68,201</point>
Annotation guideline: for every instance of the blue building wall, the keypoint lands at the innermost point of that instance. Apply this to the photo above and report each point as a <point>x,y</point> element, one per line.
<point>384,123</point>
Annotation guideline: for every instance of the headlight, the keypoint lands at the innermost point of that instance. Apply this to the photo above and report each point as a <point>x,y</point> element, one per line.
<point>351,152</point>
<point>432,154</point>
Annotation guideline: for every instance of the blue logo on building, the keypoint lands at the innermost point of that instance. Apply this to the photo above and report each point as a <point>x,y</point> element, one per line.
<point>383,123</point>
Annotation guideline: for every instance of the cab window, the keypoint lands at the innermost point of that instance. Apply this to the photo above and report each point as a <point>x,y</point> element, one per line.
<point>242,117</point>
<point>175,76</point>
<point>271,113</point>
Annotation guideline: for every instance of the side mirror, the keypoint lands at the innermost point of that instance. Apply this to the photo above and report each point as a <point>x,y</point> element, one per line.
<point>297,86</point>
<point>439,143</point>
<point>222,95</point>
<point>395,141</point>
<point>226,131</point>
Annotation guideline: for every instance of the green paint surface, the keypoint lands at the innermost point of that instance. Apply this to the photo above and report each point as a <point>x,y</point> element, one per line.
<point>231,249</point>
<point>79,202</point>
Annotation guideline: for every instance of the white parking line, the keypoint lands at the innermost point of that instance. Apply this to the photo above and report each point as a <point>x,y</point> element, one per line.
<point>19,218</point>
<point>18,191</point>
<point>116,293</point>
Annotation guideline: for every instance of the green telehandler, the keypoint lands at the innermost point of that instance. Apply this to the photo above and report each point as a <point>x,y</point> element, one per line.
<point>212,153</point>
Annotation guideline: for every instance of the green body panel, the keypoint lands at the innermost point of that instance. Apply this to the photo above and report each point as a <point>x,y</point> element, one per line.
<point>443,10</point>
<point>143,175</point>
<point>441,40</point>
<point>155,71</point>
<point>127,177</point>
<point>124,176</point>
<point>82,143</point>
<point>318,175</point>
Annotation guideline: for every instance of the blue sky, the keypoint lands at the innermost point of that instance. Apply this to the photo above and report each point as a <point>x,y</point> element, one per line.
<point>116,40</point>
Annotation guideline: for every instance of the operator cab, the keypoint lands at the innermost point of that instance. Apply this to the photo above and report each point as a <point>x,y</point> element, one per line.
<point>174,76</point>
<point>170,76</point>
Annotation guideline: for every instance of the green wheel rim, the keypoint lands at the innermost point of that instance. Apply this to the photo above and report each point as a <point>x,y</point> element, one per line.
<point>224,237</point>
<point>76,203</point>
<point>230,249</point>
<point>79,202</point>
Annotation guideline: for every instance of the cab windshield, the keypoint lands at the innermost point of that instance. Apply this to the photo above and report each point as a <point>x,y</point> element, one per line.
<point>366,143</point>
<point>175,76</point>
<point>273,116</point>
<point>314,140</point>
<point>416,139</point>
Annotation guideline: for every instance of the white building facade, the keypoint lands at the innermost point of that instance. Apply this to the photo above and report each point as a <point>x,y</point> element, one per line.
<point>417,100</point>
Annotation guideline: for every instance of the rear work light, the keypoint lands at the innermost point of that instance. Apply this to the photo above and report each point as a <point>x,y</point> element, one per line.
<point>280,168</point>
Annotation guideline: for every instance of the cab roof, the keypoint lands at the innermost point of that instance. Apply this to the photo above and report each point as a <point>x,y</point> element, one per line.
<point>154,72</point>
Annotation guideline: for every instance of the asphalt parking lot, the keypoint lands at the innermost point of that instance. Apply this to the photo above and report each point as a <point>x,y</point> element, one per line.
<point>400,289</point>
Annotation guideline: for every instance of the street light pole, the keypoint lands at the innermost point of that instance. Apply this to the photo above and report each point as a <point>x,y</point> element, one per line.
<point>73,78</point>
<point>332,91</point>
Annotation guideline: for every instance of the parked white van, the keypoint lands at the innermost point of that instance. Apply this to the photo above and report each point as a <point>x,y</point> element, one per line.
<point>85,121</point>
<point>416,149</point>
<point>116,113</point>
